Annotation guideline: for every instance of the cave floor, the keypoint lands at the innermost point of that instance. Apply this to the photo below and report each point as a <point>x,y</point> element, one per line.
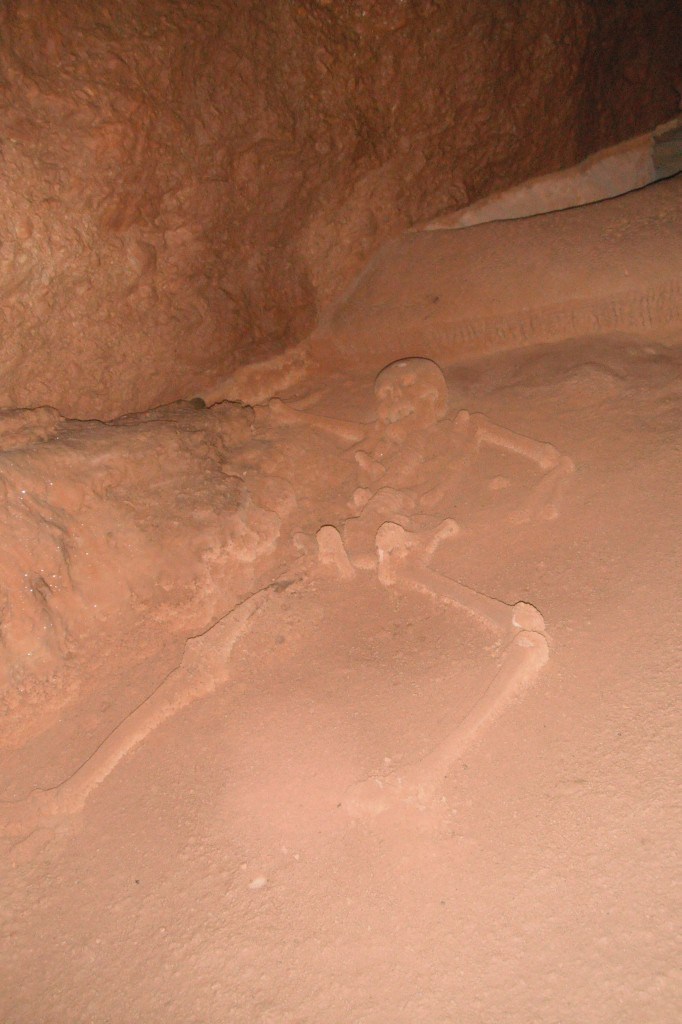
<point>215,876</point>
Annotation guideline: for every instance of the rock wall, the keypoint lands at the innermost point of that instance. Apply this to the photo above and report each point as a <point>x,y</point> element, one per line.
<point>612,267</point>
<point>184,185</point>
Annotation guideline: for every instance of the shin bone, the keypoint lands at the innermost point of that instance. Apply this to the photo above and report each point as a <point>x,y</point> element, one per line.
<point>202,666</point>
<point>419,784</point>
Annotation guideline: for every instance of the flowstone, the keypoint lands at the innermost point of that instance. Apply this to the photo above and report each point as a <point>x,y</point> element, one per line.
<point>409,463</point>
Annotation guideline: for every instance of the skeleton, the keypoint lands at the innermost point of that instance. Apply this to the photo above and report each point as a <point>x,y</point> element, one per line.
<point>395,527</point>
<point>411,443</point>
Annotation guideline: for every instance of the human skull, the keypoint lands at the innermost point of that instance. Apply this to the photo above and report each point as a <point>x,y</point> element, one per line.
<point>411,387</point>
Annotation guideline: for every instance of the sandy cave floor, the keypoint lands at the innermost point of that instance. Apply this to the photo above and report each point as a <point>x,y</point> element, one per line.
<point>214,876</point>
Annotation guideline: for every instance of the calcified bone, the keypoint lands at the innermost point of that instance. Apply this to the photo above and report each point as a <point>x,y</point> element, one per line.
<point>400,561</point>
<point>372,469</point>
<point>344,430</point>
<point>543,501</point>
<point>411,445</point>
<point>203,665</point>
<point>414,388</point>
<point>395,544</point>
<point>544,455</point>
<point>332,553</point>
<point>502,617</point>
<point>409,449</point>
<point>419,784</point>
<point>410,393</point>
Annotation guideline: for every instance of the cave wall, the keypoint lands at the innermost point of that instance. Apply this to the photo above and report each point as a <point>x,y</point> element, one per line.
<point>185,184</point>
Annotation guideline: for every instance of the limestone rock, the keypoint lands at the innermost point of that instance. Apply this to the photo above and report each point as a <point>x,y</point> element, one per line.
<point>184,186</point>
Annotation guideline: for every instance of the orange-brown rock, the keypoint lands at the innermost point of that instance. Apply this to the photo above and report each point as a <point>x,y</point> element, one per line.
<point>184,186</point>
<point>449,293</point>
<point>108,527</point>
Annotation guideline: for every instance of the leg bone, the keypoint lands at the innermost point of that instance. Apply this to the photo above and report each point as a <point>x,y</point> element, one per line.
<point>203,663</point>
<point>394,546</point>
<point>501,616</point>
<point>419,784</point>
